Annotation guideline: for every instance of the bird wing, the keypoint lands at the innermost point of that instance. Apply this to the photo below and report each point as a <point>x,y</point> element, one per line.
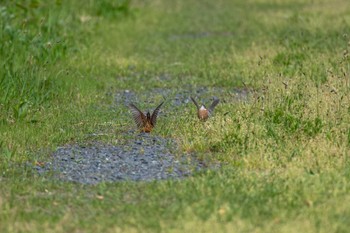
<point>195,103</point>
<point>138,116</point>
<point>155,114</point>
<point>213,105</point>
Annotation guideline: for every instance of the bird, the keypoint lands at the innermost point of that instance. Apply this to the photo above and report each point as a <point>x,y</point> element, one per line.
<point>145,122</point>
<point>203,113</point>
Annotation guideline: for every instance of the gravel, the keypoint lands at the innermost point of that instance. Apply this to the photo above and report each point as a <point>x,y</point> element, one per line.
<point>145,158</point>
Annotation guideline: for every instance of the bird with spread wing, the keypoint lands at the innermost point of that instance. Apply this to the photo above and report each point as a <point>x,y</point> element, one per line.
<point>203,113</point>
<point>145,122</point>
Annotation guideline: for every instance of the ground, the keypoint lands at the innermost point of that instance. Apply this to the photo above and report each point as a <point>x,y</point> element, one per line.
<point>280,134</point>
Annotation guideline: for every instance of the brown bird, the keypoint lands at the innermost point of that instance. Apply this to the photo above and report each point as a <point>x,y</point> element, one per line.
<point>145,122</point>
<point>203,112</point>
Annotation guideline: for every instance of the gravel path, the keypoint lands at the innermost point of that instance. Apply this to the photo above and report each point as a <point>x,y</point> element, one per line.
<point>145,158</point>
<point>179,98</point>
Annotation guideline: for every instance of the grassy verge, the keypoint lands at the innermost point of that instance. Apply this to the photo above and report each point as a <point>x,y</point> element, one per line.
<point>286,150</point>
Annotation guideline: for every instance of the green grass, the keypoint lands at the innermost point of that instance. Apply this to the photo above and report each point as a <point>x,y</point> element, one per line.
<point>285,151</point>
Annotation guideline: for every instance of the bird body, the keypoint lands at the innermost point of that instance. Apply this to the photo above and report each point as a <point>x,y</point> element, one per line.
<point>203,113</point>
<point>145,122</point>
